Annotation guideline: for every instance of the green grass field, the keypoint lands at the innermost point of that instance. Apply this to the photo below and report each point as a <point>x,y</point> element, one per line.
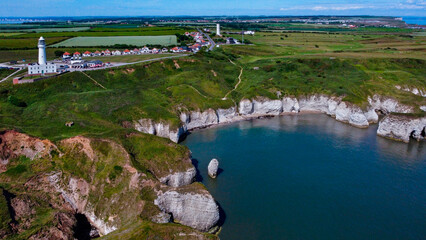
<point>140,41</point>
<point>10,43</point>
<point>46,30</point>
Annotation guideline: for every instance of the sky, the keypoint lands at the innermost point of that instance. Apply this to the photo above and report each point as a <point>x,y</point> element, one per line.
<point>48,8</point>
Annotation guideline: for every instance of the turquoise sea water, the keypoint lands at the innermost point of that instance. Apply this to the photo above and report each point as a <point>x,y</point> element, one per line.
<point>311,177</point>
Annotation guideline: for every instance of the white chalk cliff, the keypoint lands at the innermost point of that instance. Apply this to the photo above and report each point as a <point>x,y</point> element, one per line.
<point>402,128</point>
<point>192,206</point>
<point>262,107</point>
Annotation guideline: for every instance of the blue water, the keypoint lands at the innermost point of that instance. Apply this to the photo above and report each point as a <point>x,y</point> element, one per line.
<point>311,177</point>
<point>415,20</point>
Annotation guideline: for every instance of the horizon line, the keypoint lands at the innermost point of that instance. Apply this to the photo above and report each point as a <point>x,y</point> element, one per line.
<point>136,16</point>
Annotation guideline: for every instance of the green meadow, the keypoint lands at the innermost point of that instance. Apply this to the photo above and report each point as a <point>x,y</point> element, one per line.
<point>139,41</point>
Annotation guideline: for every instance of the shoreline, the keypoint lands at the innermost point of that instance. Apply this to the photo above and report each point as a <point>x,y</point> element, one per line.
<point>393,126</point>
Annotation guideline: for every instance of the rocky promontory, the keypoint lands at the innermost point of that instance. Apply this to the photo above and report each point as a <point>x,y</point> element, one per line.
<point>100,180</point>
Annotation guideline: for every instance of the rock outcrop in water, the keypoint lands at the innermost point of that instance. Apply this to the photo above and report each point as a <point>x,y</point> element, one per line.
<point>402,128</point>
<point>213,168</point>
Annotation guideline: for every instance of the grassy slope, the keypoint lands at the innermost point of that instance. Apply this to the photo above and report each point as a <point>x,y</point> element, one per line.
<point>133,92</point>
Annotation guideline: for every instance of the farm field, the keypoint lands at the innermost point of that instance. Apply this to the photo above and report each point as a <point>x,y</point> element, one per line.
<point>317,45</point>
<point>106,32</point>
<point>25,43</point>
<point>7,34</point>
<point>130,58</point>
<point>139,41</point>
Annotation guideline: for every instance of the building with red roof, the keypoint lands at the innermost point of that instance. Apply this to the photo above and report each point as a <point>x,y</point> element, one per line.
<point>87,54</point>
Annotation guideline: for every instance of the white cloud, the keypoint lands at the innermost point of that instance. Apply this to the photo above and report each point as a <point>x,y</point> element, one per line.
<point>408,4</point>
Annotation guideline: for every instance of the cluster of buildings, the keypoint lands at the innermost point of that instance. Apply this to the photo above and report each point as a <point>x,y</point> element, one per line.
<point>42,67</point>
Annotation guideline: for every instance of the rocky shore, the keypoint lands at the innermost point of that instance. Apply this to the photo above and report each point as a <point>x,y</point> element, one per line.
<point>397,129</point>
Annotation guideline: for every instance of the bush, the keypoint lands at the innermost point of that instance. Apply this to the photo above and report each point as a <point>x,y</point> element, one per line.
<point>16,101</point>
<point>59,53</point>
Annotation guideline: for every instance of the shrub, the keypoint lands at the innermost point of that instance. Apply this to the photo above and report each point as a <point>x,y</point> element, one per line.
<point>16,101</point>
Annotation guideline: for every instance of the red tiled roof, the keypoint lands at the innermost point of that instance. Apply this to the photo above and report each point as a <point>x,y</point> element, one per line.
<point>87,52</point>
<point>97,51</point>
<point>127,50</point>
<point>67,54</point>
<point>76,53</point>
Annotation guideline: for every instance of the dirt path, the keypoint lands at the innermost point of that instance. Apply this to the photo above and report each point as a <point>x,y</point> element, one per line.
<point>4,79</point>
<point>238,83</point>
<point>94,80</point>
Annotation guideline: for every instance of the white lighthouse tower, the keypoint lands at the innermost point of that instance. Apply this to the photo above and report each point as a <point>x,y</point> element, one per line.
<point>42,51</point>
<point>218,29</point>
<point>42,67</point>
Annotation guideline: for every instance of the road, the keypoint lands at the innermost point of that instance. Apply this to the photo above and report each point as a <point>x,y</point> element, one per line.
<point>4,79</point>
<point>212,43</point>
<point>124,64</point>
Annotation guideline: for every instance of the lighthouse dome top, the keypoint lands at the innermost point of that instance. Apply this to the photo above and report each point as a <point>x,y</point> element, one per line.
<point>41,38</point>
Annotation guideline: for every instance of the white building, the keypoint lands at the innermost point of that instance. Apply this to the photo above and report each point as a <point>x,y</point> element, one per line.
<point>249,33</point>
<point>42,67</point>
<point>218,29</point>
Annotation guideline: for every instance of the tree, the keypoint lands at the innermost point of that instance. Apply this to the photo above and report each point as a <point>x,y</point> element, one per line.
<point>59,53</point>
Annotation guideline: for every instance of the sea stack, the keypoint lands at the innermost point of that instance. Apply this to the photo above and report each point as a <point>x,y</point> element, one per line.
<point>213,167</point>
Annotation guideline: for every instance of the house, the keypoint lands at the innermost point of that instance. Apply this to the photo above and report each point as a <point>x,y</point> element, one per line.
<point>249,32</point>
<point>107,53</point>
<point>232,41</point>
<point>126,52</point>
<point>195,48</point>
<point>164,50</point>
<point>187,34</point>
<point>87,54</point>
<point>97,53</point>
<point>76,55</point>
<point>135,51</point>
<point>175,49</point>
<point>145,50</point>
<point>66,55</point>
<point>155,51</point>
<point>116,53</point>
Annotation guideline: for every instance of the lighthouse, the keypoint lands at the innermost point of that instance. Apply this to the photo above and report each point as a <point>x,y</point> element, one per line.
<point>42,51</point>
<point>218,29</point>
<point>42,67</point>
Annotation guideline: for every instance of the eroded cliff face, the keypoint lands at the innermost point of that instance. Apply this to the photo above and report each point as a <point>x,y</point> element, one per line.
<point>402,128</point>
<point>262,107</point>
<point>96,178</point>
<point>14,144</point>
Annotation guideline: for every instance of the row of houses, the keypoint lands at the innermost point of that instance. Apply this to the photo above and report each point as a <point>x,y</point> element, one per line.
<point>198,38</point>
<point>136,51</point>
